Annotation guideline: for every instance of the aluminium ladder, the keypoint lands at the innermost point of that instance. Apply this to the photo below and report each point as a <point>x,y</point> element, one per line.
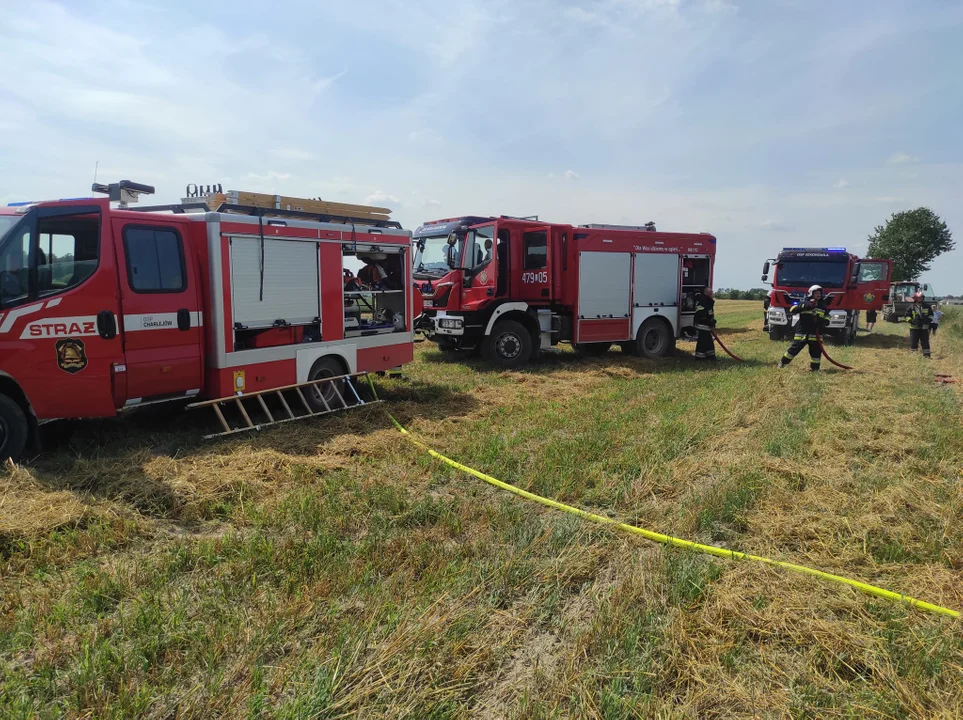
<point>263,408</point>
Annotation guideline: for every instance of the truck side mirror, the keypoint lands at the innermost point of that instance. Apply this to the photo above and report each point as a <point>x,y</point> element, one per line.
<point>765,278</point>
<point>765,270</point>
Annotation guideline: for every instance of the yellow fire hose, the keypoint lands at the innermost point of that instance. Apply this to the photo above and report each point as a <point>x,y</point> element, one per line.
<point>668,539</point>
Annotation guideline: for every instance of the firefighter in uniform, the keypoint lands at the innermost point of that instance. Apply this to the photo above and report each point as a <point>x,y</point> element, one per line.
<point>920,316</point>
<point>705,321</point>
<point>813,316</point>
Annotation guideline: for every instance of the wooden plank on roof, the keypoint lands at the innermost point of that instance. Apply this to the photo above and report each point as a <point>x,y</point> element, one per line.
<point>283,202</point>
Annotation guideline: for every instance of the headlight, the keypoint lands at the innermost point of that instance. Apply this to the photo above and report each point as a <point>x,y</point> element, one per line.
<point>450,323</point>
<point>777,316</point>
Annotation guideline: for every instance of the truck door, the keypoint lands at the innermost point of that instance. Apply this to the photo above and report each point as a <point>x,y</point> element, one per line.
<point>872,284</point>
<point>533,274</point>
<point>58,312</point>
<point>160,302</point>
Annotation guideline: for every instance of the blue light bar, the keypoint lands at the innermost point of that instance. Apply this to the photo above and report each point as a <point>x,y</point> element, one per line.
<point>835,249</point>
<point>20,204</point>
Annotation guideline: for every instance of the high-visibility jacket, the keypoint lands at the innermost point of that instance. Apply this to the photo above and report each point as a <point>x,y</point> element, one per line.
<point>920,316</point>
<point>705,314</point>
<point>812,318</point>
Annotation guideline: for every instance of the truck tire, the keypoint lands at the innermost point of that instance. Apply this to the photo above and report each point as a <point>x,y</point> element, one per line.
<point>655,339</point>
<point>446,346</point>
<point>889,315</point>
<point>509,346</point>
<point>776,332</point>
<point>324,368</point>
<point>592,349</point>
<point>630,348</point>
<point>14,430</point>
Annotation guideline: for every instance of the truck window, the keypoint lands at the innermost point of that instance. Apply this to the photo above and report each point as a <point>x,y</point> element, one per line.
<point>67,254</point>
<point>155,260</point>
<point>869,272</point>
<point>536,250</point>
<point>14,274</point>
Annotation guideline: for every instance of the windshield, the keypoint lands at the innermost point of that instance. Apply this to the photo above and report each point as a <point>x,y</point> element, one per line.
<point>904,293</point>
<point>7,222</point>
<point>430,256</point>
<point>803,273</point>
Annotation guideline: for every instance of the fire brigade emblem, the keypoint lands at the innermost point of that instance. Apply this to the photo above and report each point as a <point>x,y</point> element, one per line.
<point>71,356</point>
<point>869,297</point>
<point>483,277</point>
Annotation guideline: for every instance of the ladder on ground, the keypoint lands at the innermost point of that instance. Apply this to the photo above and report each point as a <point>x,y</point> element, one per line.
<point>264,408</point>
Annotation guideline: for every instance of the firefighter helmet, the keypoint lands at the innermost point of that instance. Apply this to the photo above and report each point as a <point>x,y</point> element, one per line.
<point>814,288</point>
<point>919,297</point>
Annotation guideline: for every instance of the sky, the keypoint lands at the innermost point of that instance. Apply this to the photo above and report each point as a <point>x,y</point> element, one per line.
<point>769,123</point>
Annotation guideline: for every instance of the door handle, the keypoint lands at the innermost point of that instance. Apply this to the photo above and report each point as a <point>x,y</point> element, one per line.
<point>183,319</point>
<point>106,325</point>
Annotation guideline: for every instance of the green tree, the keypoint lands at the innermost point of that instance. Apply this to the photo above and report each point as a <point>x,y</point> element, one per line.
<point>912,240</point>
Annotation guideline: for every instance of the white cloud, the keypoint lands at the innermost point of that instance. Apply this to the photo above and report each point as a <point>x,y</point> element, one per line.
<point>269,177</point>
<point>293,153</point>
<point>902,158</point>
<point>774,226</point>
<point>841,183</point>
<point>379,197</point>
<point>432,203</point>
<point>571,175</point>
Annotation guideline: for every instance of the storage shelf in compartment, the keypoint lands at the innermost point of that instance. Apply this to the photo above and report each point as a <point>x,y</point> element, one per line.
<point>355,332</point>
<point>372,292</point>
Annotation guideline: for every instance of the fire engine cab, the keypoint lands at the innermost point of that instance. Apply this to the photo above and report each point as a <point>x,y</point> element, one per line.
<point>107,307</point>
<point>512,286</point>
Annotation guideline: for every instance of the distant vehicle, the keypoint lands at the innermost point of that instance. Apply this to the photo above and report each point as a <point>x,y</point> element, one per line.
<point>900,298</point>
<point>850,285</point>
<point>510,287</point>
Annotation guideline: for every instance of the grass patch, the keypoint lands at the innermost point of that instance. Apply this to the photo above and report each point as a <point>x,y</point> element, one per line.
<point>329,569</point>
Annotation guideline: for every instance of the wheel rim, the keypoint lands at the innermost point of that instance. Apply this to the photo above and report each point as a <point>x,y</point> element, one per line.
<point>509,346</point>
<point>652,341</point>
<point>327,395</point>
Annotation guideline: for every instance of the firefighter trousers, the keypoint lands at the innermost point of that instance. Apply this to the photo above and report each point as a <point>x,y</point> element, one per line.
<point>705,346</point>
<point>920,337</point>
<point>815,352</point>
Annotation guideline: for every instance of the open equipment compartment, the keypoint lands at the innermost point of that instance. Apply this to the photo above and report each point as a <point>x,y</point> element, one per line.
<point>374,299</point>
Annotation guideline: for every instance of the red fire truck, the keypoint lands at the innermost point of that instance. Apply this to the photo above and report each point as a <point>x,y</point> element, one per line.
<point>104,308</point>
<point>850,284</point>
<point>511,286</point>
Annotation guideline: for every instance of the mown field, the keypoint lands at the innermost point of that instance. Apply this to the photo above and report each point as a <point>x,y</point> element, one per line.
<point>330,569</point>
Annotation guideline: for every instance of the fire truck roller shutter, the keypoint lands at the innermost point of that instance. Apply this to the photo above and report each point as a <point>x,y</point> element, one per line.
<point>291,289</point>
<point>604,298</point>
<point>655,289</point>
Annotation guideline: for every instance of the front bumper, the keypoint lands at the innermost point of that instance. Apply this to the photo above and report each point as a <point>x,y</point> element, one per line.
<point>838,319</point>
<point>778,316</point>
<point>446,325</point>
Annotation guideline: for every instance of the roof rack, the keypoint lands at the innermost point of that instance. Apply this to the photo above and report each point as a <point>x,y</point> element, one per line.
<point>648,227</point>
<point>215,198</point>
<point>318,217</point>
<point>249,210</point>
